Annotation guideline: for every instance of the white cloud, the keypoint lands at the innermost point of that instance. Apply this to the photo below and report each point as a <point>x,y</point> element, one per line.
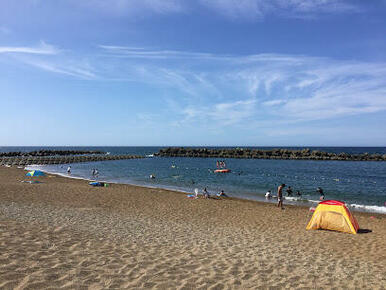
<point>52,59</point>
<point>43,48</point>
<point>140,52</point>
<point>233,9</point>
<point>305,88</point>
<point>230,89</point>
<point>70,69</point>
<point>133,7</point>
<point>239,8</point>
<point>215,115</point>
<point>273,102</point>
<point>258,9</point>
<point>233,112</point>
<point>4,30</point>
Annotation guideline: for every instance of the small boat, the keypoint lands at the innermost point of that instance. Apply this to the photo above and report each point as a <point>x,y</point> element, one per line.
<point>224,170</point>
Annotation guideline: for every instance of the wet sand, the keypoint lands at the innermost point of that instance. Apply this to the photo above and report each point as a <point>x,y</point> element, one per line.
<point>63,233</point>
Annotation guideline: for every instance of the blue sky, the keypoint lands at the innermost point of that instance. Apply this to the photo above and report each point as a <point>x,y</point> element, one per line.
<point>182,72</point>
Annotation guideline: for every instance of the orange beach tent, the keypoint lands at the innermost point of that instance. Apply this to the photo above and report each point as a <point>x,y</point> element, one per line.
<point>333,215</point>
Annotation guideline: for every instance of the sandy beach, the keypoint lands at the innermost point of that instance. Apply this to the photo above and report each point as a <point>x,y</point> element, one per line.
<point>63,233</point>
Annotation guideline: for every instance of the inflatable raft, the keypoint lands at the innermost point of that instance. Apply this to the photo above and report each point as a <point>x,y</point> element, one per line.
<point>222,170</point>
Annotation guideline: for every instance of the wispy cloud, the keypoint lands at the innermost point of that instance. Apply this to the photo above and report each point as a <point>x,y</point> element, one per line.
<point>238,87</point>
<point>50,58</point>
<point>258,9</point>
<point>140,52</point>
<point>76,70</point>
<point>260,90</point>
<point>217,114</point>
<point>234,9</point>
<point>134,7</point>
<point>4,30</point>
<point>43,48</point>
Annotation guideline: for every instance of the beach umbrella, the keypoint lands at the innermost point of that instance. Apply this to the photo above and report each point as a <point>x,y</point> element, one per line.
<point>35,173</point>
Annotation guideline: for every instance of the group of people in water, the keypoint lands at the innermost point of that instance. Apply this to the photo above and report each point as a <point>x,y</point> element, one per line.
<point>94,172</point>
<point>268,195</point>
<point>206,194</point>
<point>289,192</point>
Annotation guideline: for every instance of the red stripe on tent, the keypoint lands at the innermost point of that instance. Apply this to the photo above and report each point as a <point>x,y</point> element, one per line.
<point>332,202</point>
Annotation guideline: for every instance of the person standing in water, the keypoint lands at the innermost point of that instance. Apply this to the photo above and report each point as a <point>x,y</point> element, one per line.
<point>205,193</point>
<point>280,196</point>
<point>69,170</point>
<point>321,193</point>
<point>289,191</point>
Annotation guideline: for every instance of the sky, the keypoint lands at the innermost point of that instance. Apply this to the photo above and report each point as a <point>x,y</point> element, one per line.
<point>193,73</point>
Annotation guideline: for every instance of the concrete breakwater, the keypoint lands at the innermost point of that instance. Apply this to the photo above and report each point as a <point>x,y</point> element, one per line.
<point>50,153</point>
<point>40,160</point>
<point>304,154</point>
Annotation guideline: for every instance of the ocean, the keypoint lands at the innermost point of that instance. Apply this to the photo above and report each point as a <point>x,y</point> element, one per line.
<point>360,184</point>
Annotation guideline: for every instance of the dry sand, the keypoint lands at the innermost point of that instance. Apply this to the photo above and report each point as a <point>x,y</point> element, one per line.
<point>63,233</point>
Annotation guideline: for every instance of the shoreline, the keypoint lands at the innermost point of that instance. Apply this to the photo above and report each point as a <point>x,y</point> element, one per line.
<point>181,192</point>
<point>63,233</point>
<point>371,209</point>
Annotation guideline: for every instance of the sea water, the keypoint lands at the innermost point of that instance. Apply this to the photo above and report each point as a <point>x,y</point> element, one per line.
<point>360,184</point>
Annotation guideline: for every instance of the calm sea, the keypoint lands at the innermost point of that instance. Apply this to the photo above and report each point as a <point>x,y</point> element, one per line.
<point>361,184</point>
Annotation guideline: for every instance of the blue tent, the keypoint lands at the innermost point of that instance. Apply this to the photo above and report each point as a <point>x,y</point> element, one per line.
<point>35,173</point>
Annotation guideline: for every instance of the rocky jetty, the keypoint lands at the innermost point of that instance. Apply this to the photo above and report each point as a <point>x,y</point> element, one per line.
<point>50,153</point>
<point>304,154</point>
<point>58,157</point>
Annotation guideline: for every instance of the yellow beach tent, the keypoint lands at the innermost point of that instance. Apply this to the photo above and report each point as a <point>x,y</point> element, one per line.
<point>333,215</point>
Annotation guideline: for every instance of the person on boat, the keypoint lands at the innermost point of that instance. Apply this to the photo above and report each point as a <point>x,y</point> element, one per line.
<point>280,196</point>
<point>268,194</point>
